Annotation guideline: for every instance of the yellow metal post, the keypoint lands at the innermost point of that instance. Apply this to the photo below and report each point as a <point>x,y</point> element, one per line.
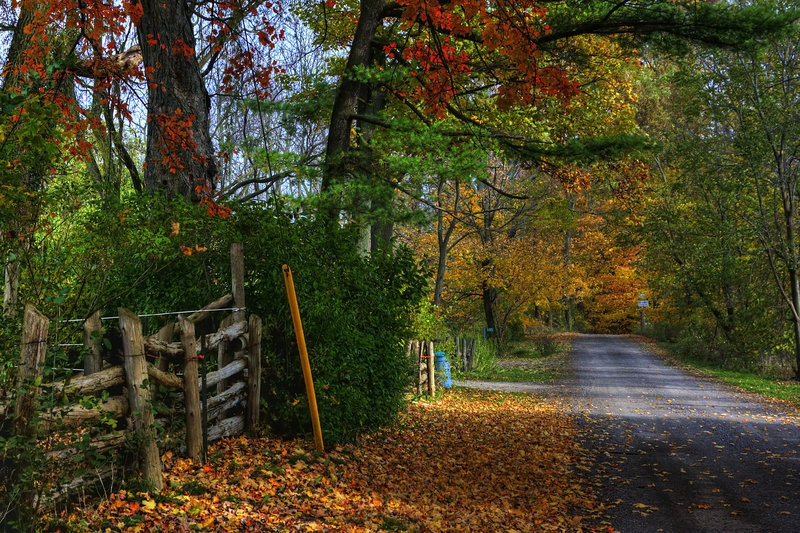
<point>301,345</point>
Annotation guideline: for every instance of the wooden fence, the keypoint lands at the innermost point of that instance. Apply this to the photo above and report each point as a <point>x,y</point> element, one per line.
<point>164,368</point>
<point>423,353</point>
<point>465,351</point>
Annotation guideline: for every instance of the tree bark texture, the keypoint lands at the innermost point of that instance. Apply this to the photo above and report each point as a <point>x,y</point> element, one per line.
<point>180,154</point>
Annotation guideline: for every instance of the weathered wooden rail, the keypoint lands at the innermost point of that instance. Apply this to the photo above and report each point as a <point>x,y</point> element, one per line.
<point>213,405</point>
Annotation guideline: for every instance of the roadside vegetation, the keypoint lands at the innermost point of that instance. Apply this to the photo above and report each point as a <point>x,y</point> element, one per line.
<point>527,359</point>
<point>772,386</point>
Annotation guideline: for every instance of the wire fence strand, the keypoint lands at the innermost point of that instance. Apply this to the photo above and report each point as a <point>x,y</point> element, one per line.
<point>171,313</point>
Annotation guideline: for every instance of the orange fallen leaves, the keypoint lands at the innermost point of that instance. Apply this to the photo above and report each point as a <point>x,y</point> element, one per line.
<point>473,460</point>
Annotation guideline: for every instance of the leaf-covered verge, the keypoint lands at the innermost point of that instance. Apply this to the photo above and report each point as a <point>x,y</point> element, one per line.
<point>471,461</point>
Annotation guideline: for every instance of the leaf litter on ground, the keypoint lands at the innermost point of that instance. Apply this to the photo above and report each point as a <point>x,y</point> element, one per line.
<point>468,461</point>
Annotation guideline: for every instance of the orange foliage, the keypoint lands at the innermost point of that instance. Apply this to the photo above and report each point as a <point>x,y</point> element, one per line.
<point>508,30</point>
<point>512,465</point>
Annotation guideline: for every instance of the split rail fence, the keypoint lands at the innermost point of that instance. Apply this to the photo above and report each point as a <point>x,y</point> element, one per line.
<point>220,403</point>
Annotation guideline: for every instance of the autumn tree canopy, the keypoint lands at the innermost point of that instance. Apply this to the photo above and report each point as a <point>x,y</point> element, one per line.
<point>513,131</point>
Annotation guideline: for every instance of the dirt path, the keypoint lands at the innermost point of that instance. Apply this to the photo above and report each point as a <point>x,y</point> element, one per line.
<point>681,454</point>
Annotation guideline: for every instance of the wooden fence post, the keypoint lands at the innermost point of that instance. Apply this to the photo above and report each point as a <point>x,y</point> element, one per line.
<point>416,349</point>
<point>471,354</point>
<point>237,280</point>
<point>135,367</point>
<point>33,351</point>
<point>93,362</point>
<point>224,355</point>
<point>422,367</point>
<point>253,373</point>
<point>191,394</point>
<point>431,380</point>
<point>165,334</point>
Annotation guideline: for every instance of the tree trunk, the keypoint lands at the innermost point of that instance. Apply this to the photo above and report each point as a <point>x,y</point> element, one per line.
<point>346,104</point>
<point>790,214</point>
<point>567,263</point>
<point>489,296</point>
<point>441,268</point>
<point>180,154</point>
<point>11,287</point>
<point>13,77</point>
<point>443,240</point>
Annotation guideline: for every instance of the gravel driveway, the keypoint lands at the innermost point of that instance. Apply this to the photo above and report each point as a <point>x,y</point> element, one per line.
<point>677,453</point>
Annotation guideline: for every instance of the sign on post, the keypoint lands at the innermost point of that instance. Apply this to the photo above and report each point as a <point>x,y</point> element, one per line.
<point>644,303</point>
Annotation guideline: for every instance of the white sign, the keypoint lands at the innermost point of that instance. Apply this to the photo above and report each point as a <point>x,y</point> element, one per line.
<point>642,295</point>
<point>644,303</point>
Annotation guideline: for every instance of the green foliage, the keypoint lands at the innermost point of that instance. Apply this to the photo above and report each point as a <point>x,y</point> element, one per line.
<point>355,311</point>
<point>716,241</point>
<point>429,322</point>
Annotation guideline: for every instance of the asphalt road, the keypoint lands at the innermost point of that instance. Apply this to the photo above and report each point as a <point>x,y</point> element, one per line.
<point>681,454</point>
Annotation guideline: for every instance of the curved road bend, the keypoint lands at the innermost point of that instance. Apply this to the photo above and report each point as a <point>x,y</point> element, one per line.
<point>681,454</point>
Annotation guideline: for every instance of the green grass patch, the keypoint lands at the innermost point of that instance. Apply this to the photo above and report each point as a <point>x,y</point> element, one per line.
<point>528,360</point>
<point>510,374</point>
<point>537,348</point>
<point>788,391</point>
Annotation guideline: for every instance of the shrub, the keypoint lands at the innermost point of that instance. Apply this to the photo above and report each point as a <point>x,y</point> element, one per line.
<point>356,316</point>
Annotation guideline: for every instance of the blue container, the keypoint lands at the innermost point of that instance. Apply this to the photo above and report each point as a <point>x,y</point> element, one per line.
<point>443,378</point>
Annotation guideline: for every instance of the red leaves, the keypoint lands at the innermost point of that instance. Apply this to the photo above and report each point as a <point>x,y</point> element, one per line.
<point>209,198</point>
<point>507,30</point>
<point>133,9</point>
<point>180,48</point>
<point>177,138</point>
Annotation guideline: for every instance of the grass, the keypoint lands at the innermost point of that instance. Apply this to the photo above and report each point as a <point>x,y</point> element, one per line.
<point>509,374</point>
<point>781,390</point>
<point>777,389</point>
<point>528,360</point>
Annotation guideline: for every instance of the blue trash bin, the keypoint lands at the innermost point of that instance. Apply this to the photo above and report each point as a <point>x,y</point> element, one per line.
<point>443,378</point>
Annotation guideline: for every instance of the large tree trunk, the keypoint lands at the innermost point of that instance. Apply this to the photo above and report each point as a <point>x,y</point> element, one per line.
<point>371,103</point>
<point>12,80</point>
<point>346,104</point>
<point>180,154</point>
